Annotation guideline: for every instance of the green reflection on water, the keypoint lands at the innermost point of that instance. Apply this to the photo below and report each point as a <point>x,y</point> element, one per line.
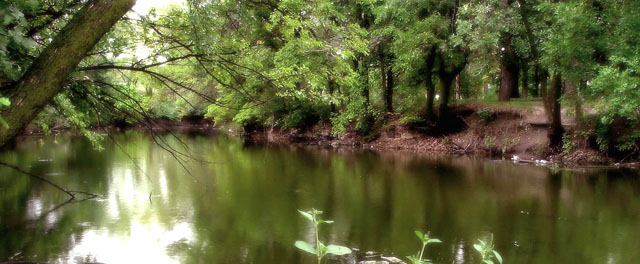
<point>242,209</point>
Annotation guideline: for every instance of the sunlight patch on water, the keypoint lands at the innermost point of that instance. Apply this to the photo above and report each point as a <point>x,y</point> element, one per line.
<point>142,243</point>
<point>164,188</point>
<point>34,208</point>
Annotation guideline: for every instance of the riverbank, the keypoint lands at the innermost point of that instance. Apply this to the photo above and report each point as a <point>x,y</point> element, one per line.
<point>519,134</point>
<point>498,131</point>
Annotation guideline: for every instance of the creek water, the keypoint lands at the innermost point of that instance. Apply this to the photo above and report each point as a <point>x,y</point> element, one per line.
<point>242,208</point>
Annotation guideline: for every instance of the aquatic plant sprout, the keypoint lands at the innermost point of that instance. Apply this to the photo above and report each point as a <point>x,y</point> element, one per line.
<point>485,248</point>
<point>320,250</point>
<point>426,240</point>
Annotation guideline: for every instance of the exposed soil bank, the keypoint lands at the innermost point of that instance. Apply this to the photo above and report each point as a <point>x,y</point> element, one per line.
<point>509,134</point>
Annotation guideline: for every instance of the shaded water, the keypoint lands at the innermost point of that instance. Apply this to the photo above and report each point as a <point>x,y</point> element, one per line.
<point>243,208</point>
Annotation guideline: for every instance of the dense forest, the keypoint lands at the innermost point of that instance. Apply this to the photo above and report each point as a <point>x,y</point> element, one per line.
<point>292,64</point>
<point>256,131</point>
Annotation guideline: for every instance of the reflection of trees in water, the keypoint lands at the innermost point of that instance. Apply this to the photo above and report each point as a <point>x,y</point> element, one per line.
<point>36,218</point>
<point>243,210</point>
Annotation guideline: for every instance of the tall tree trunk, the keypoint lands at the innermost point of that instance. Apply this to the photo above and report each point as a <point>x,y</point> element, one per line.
<point>46,77</point>
<point>387,79</point>
<point>332,89</point>
<point>365,87</point>
<point>525,79</point>
<point>544,91</point>
<point>509,71</point>
<point>485,90</point>
<point>555,128</point>
<point>458,87</point>
<point>509,64</point>
<point>362,68</point>
<point>446,81</point>
<point>536,81</point>
<point>388,90</point>
<point>428,81</point>
<point>571,92</point>
<point>447,77</point>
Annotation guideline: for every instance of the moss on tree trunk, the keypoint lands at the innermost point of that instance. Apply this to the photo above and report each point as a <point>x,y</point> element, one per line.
<point>47,75</point>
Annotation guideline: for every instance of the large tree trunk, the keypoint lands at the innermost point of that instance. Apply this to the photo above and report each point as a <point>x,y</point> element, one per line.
<point>544,93</point>
<point>447,77</point>
<point>428,81</point>
<point>509,71</point>
<point>458,87</point>
<point>509,64</point>
<point>360,64</point>
<point>525,79</point>
<point>386,71</point>
<point>571,93</point>
<point>446,81</point>
<point>555,127</point>
<point>47,75</point>
<point>388,90</point>
<point>332,89</point>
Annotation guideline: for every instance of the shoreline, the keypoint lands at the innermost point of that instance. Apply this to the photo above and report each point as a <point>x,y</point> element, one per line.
<point>507,137</point>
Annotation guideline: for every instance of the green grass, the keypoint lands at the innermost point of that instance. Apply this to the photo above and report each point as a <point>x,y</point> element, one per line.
<point>518,103</point>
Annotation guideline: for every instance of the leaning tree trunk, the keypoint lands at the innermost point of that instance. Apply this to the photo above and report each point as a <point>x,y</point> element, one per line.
<point>555,128</point>
<point>47,75</point>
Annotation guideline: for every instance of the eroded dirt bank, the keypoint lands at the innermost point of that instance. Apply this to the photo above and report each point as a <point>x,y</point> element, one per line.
<point>508,133</point>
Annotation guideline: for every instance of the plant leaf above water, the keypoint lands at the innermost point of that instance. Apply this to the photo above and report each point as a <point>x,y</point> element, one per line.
<point>305,247</point>
<point>478,247</point>
<point>338,250</point>
<point>498,257</point>
<point>306,215</point>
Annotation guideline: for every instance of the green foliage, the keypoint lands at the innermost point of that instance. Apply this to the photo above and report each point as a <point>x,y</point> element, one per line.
<point>4,102</point>
<point>291,64</point>
<point>487,252</point>
<point>426,240</point>
<point>485,114</point>
<point>568,145</point>
<point>320,250</point>
<point>489,142</point>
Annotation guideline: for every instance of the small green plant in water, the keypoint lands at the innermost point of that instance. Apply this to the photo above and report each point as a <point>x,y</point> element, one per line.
<point>426,240</point>
<point>320,250</point>
<point>485,248</point>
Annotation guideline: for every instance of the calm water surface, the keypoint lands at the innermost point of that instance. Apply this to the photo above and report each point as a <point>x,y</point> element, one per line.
<point>242,208</point>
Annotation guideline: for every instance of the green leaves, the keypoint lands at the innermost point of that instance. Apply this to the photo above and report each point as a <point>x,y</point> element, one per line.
<point>304,246</point>
<point>426,240</point>
<point>416,260</point>
<point>338,250</point>
<point>487,252</point>
<point>4,102</point>
<point>320,250</point>
<point>307,215</point>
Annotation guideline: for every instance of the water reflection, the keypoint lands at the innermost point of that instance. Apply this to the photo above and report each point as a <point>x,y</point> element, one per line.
<point>243,208</point>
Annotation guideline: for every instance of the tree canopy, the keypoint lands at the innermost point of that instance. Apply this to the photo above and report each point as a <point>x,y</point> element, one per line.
<point>293,63</point>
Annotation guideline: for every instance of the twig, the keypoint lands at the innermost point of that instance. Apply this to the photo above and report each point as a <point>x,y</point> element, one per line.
<point>70,193</point>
